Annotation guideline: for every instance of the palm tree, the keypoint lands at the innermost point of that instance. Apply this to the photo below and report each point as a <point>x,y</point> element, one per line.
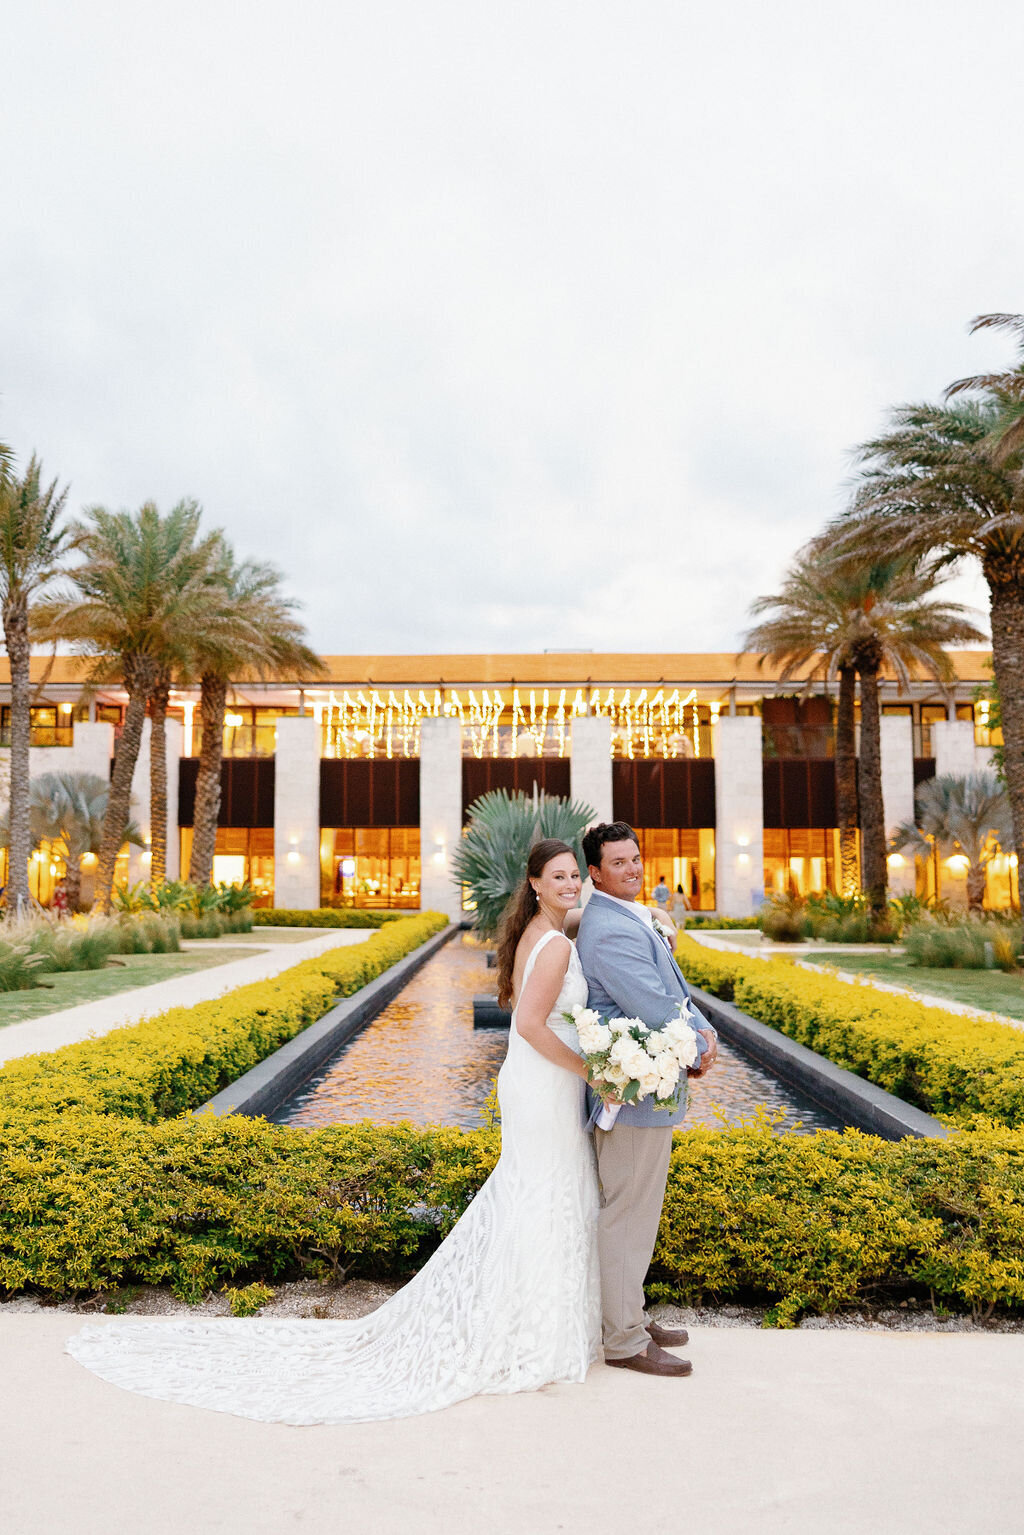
<point>863,616</point>
<point>32,549</point>
<point>145,583</point>
<point>250,629</point>
<point>934,484</point>
<point>1007,387</point>
<point>810,631</point>
<point>68,810</point>
<point>970,816</point>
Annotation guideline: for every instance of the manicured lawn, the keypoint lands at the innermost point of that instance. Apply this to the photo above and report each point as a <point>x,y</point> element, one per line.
<point>72,987</point>
<point>988,989</point>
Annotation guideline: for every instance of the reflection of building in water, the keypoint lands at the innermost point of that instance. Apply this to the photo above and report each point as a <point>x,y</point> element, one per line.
<point>352,791</point>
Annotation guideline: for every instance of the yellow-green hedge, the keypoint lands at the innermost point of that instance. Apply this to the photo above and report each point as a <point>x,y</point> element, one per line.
<point>321,916</point>
<point>948,1064</point>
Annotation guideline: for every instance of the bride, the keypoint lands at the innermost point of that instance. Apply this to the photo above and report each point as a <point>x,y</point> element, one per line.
<point>510,1301</point>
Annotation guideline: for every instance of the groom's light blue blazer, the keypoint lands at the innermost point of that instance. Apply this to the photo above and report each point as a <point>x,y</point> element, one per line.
<point>631,973</point>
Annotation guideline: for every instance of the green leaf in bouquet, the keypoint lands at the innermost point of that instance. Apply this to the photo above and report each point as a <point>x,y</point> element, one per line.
<point>631,1092</point>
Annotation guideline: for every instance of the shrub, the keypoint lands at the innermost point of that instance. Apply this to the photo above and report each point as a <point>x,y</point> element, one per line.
<point>250,1300</point>
<point>324,916</point>
<point>726,924</point>
<point>783,919</point>
<point>950,1065</point>
<point>970,943</point>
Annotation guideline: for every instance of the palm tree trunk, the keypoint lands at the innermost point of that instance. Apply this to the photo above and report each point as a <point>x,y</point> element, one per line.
<point>73,878</point>
<point>872,813</point>
<point>138,679</point>
<point>1007,590</point>
<point>20,845</point>
<point>846,782</point>
<point>212,705</point>
<point>158,779</point>
<point>976,887</point>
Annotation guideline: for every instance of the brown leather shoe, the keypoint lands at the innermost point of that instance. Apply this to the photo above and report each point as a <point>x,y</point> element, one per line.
<point>667,1337</point>
<point>653,1361</point>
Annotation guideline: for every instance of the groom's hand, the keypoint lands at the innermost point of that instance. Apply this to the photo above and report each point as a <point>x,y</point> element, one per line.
<point>709,1057</point>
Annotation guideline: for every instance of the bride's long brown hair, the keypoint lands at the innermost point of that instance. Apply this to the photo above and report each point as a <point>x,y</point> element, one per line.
<point>521,910</point>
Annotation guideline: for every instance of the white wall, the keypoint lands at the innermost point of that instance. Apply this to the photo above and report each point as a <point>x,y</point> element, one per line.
<point>953,744</point>
<point>898,791</point>
<point>590,767</point>
<point>440,813</point>
<point>739,837</point>
<point>297,813</point>
<point>138,863</point>
<point>175,733</point>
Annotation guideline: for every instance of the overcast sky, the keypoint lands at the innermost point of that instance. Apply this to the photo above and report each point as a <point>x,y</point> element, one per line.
<point>499,326</point>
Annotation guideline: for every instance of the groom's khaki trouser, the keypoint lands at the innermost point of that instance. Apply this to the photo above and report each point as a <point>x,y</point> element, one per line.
<point>632,1165</point>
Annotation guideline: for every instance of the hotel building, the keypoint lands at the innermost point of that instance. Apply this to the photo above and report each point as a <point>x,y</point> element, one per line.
<point>353,790</point>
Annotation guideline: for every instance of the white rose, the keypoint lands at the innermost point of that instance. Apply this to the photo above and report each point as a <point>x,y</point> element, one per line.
<point>656,1042</point>
<point>666,1089</point>
<point>620,1025</point>
<point>601,1035</point>
<point>668,1068</point>
<point>649,1081</point>
<point>622,1048</point>
<point>638,1062</point>
<point>615,1076</point>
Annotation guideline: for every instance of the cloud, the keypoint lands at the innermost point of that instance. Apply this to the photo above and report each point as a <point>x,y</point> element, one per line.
<point>497,327</point>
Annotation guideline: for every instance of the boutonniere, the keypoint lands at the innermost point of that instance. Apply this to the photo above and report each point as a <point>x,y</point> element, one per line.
<point>663,931</point>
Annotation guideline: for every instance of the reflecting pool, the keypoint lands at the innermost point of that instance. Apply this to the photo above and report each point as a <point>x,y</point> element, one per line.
<point>421,1059</point>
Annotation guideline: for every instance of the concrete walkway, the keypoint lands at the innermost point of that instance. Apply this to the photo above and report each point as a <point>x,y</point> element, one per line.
<point>91,1019</point>
<point>783,1433</point>
<point>721,942</point>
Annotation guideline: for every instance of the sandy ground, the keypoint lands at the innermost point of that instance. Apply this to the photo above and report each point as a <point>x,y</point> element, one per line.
<point>791,1433</point>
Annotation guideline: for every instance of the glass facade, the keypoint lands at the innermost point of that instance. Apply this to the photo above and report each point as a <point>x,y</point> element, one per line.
<point>248,732</point>
<point>49,725</point>
<point>242,855</point>
<point>370,866</point>
<point>685,860</point>
<point>801,861</point>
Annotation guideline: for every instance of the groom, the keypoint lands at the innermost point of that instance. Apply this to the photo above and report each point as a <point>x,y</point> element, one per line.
<point>631,973</point>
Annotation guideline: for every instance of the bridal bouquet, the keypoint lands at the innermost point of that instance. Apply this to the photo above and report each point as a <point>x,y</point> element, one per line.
<point>628,1060</point>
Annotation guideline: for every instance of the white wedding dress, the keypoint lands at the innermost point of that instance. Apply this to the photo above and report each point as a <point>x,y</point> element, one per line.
<point>510,1301</point>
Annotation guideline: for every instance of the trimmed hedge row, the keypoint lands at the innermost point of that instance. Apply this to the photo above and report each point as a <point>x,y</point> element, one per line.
<point>951,1065</point>
<point>817,1223</point>
<point>323,916</point>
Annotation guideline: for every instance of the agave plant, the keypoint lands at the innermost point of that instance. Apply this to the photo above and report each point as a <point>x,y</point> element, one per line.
<point>491,858</point>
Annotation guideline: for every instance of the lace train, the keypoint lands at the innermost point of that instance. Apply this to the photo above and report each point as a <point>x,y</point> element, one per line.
<point>510,1301</point>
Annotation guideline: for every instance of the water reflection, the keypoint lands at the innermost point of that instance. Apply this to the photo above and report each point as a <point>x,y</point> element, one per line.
<point>422,1060</point>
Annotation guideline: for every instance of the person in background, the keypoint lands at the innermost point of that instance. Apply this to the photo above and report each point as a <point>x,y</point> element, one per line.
<point>661,893</point>
<point>680,906</point>
<point>59,904</point>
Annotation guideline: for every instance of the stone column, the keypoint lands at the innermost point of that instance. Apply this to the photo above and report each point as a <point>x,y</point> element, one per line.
<point>739,814</point>
<point>175,732</point>
<point>590,767</point>
<point>898,792</point>
<point>138,857</point>
<point>953,744</point>
<point>440,813</point>
<point>297,813</point>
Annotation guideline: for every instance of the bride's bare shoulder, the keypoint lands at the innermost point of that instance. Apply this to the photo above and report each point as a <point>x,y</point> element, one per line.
<point>553,958</point>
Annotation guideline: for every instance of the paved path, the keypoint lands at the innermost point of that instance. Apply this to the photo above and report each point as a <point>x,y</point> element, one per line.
<point>782,1433</point>
<point>93,1018</point>
<point>720,941</point>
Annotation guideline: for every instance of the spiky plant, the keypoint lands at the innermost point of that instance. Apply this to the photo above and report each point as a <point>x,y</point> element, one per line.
<point>964,815</point>
<point>490,861</point>
<point>68,810</point>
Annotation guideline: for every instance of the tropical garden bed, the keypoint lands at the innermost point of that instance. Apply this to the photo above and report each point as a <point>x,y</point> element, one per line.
<point>989,990</point>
